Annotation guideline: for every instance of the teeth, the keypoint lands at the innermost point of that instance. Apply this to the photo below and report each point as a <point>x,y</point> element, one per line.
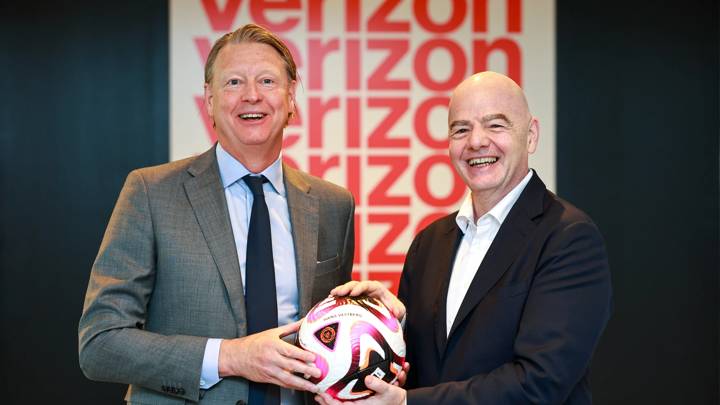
<point>252,116</point>
<point>482,160</point>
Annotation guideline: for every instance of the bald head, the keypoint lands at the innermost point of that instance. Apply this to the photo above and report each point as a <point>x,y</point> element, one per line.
<point>494,88</point>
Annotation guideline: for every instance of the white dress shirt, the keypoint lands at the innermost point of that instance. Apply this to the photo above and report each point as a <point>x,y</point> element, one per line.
<point>239,202</point>
<point>477,238</point>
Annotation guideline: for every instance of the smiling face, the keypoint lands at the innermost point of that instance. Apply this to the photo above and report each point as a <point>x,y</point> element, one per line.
<point>250,98</point>
<point>491,135</point>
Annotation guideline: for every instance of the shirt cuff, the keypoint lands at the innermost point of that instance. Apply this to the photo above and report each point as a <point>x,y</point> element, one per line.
<point>209,375</point>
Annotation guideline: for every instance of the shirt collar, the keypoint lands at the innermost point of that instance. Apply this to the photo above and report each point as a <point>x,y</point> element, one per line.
<point>231,170</point>
<point>499,212</point>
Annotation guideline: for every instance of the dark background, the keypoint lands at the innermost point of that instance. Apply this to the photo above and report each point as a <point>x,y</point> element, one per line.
<point>85,100</point>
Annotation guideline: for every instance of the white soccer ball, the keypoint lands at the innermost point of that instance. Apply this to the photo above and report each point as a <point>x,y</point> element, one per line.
<point>352,337</point>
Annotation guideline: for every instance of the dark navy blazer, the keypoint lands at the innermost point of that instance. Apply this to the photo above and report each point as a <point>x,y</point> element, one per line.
<point>531,319</point>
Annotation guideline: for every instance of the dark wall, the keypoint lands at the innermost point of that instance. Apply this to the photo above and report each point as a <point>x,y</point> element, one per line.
<point>638,150</point>
<point>86,100</point>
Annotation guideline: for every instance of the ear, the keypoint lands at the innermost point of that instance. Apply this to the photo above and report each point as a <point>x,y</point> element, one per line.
<point>533,135</point>
<point>291,90</point>
<point>208,100</point>
<point>292,110</point>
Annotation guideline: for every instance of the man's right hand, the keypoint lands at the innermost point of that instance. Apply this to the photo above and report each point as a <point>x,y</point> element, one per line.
<point>374,289</point>
<point>264,357</point>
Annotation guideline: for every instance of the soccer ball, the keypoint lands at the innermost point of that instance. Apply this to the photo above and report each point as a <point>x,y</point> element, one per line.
<point>352,337</point>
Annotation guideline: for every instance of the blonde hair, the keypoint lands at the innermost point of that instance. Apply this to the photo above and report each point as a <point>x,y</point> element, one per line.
<point>251,33</point>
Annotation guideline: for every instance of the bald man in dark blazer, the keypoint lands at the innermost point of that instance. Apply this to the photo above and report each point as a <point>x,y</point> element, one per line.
<point>506,299</point>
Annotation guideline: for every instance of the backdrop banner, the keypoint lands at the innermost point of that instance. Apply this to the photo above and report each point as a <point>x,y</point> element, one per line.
<point>375,80</point>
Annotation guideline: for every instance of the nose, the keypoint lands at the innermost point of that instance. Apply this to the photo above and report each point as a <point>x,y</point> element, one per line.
<point>478,139</point>
<point>251,94</point>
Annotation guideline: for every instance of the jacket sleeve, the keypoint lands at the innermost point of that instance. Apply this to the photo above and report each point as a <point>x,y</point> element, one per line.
<point>567,308</point>
<point>348,253</point>
<point>404,292</point>
<point>113,346</point>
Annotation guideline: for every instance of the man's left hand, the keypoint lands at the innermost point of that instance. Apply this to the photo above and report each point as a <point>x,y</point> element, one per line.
<point>385,394</point>
<point>374,289</point>
<point>402,375</point>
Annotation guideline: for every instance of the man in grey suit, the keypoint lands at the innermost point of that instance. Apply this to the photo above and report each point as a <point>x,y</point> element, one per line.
<point>166,309</point>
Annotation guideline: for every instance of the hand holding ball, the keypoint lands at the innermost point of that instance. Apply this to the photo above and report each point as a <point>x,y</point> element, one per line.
<point>352,337</point>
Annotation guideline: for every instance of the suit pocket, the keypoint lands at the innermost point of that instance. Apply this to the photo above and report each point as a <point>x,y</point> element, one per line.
<point>327,277</point>
<point>327,266</point>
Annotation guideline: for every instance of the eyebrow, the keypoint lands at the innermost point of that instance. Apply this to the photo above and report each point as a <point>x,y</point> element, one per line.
<point>491,117</point>
<point>484,120</point>
<point>460,123</point>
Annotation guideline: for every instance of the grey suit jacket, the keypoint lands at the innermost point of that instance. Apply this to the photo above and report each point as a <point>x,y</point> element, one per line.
<point>167,277</point>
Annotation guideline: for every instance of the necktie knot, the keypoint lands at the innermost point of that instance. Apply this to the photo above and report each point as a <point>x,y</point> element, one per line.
<point>255,184</point>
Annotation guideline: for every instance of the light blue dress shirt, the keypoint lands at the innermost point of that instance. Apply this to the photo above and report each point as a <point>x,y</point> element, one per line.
<point>239,202</point>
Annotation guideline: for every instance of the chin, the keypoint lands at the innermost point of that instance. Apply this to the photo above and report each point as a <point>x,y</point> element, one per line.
<point>478,185</point>
<point>482,181</point>
<point>253,139</point>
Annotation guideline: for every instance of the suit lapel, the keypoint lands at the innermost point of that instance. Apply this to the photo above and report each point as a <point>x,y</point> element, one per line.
<point>304,208</point>
<point>207,198</point>
<point>443,263</point>
<point>508,245</point>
